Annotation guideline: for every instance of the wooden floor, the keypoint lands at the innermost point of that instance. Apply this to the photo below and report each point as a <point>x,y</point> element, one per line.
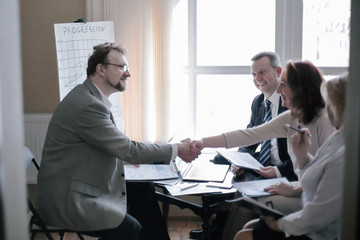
<point>178,228</point>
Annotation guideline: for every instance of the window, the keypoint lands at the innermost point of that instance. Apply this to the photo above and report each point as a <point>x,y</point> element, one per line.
<point>214,40</point>
<point>326,26</point>
<point>228,31</point>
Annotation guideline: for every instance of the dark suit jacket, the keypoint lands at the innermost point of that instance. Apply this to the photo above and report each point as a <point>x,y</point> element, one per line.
<point>257,116</point>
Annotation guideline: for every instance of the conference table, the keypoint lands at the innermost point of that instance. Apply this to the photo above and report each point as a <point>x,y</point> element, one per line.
<point>204,202</point>
<point>211,203</point>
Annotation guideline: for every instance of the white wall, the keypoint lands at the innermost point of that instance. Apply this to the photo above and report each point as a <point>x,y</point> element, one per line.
<point>12,170</point>
<point>351,206</point>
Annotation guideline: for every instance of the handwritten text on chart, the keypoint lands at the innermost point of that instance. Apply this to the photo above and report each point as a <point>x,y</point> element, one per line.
<point>86,28</point>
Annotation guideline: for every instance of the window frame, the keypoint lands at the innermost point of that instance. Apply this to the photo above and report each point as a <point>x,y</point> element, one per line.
<point>288,44</point>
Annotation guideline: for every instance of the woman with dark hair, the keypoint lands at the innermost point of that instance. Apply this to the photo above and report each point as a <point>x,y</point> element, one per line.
<point>304,79</point>
<point>300,92</point>
<point>321,178</point>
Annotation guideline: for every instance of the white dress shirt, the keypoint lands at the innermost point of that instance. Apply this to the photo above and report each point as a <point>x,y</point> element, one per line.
<point>322,183</point>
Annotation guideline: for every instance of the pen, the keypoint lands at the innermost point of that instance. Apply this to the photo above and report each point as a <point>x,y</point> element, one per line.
<point>295,129</point>
<point>218,186</point>
<point>177,169</point>
<point>188,186</point>
<point>170,139</point>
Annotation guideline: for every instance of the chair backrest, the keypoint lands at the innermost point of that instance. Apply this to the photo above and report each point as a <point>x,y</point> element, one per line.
<point>29,157</point>
<point>35,219</point>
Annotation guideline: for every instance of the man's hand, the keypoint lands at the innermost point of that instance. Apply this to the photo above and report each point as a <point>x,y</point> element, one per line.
<point>136,165</point>
<point>267,172</point>
<point>237,171</point>
<point>284,189</point>
<point>271,222</point>
<point>197,144</point>
<point>187,151</point>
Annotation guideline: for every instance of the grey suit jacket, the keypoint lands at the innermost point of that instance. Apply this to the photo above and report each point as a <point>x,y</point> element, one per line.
<point>81,183</point>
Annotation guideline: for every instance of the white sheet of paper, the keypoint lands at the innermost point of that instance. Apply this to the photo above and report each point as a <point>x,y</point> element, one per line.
<point>256,188</point>
<point>201,188</point>
<point>241,159</point>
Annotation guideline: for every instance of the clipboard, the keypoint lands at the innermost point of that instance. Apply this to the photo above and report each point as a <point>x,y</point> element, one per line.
<point>256,206</point>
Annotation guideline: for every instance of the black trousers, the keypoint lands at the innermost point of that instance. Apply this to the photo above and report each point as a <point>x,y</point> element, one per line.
<point>143,221</point>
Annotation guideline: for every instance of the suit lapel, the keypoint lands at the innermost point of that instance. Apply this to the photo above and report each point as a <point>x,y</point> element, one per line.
<point>112,118</point>
<point>94,91</point>
<point>261,110</point>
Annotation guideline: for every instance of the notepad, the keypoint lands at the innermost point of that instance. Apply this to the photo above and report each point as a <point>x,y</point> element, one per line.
<point>241,159</point>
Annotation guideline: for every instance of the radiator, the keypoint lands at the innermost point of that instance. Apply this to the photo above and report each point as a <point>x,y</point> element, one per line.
<point>35,125</point>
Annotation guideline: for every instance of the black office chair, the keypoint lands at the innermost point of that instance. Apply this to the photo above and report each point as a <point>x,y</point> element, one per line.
<point>36,224</point>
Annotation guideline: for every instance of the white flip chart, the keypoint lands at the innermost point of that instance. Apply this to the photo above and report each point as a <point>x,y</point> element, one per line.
<point>74,45</point>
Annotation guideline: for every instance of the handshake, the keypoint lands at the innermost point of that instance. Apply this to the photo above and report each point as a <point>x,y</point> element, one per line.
<point>188,150</point>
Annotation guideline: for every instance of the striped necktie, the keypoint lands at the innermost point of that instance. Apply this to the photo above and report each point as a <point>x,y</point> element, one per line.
<point>265,155</point>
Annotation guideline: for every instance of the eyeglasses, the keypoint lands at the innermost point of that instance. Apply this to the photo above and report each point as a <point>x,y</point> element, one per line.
<point>122,67</point>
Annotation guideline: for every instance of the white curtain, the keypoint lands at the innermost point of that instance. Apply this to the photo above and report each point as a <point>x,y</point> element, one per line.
<point>143,26</point>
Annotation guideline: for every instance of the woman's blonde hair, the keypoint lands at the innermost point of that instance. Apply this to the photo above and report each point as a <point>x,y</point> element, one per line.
<point>333,91</point>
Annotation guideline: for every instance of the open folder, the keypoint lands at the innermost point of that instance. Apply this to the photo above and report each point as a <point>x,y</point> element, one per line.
<point>241,159</point>
<point>200,171</point>
<point>256,206</point>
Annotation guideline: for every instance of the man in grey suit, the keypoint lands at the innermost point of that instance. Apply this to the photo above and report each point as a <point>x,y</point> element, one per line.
<point>81,182</point>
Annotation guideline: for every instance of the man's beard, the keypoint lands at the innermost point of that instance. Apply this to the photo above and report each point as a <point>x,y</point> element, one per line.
<point>119,87</point>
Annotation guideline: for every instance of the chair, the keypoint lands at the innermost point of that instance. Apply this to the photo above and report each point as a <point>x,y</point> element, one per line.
<point>36,224</point>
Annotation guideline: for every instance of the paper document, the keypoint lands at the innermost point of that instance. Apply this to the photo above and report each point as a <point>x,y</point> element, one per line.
<point>256,188</point>
<point>200,170</point>
<point>227,184</point>
<point>191,188</point>
<point>149,172</point>
<point>256,206</point>
<point>241,159</point>
<point>167,181</point>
